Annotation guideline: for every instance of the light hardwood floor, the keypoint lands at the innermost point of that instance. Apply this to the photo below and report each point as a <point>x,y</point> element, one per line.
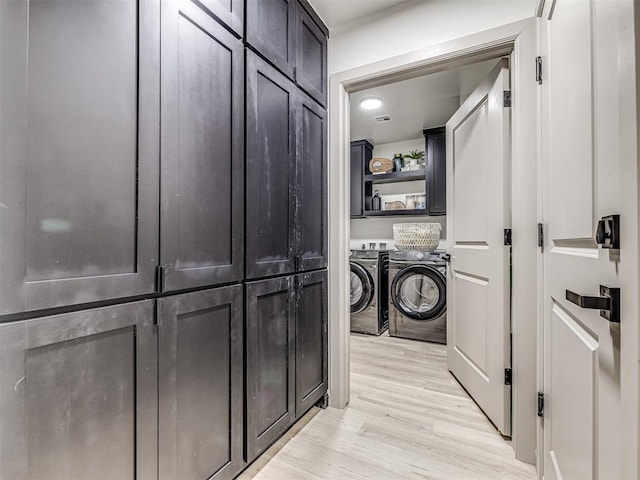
<point>408,419</point>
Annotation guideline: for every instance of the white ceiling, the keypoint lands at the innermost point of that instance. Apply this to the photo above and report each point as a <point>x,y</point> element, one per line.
<point>415,104</point>
<point>339,12</point>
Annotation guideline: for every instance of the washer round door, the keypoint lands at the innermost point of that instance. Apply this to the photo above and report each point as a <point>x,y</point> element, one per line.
<point>419,292</point>
<point>362,289</point>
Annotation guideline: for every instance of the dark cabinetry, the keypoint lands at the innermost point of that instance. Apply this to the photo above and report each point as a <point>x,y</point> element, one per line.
<point>201,384</point>
<point>270,359</point>
<point>434,175</point>
<point>79,395</point>
<point>202,169</point>
<point>79,155</point>
<point>361,154</point>
<point>436,170</point>
<point>286,348</point>
<point>286,175</point>
<point>290,38</point>
<point>229,12</point>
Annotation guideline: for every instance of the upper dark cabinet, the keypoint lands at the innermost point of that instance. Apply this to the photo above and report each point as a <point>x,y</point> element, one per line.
<point>271,170</point>
<point>79,395</point>
<point>80,147</point>
<point>202,151</point>
<point>311,57</point>
<point>361,154</point>
<point>271,27</point>
<point>229,12</point>
<point>201,384</point>
<point>436,170</point>
<point>312,185</point>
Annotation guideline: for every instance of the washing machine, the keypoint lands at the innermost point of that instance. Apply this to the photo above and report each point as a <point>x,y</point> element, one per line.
<point>369,290</point>
<point>418,295</point>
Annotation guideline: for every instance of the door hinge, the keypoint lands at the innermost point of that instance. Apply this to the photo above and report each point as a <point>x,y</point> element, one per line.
<point>507,236</point>
<point>160,274</point>
<point>158,312</point>
<point>507,98</point>
<point>540,235</point>
<point>540,404</point>
<point>507,376</point>
<point>539,70</point>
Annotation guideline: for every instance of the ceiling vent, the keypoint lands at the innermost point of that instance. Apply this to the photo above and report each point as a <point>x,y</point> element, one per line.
<point>382,119</point>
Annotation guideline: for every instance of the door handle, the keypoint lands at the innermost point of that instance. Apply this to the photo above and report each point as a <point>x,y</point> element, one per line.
<point>608,302</point>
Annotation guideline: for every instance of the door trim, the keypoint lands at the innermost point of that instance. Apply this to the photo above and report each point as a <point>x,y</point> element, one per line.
<point>517,38</point>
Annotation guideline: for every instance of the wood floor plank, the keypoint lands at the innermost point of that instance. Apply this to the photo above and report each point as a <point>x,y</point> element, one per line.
<point>408,419</point>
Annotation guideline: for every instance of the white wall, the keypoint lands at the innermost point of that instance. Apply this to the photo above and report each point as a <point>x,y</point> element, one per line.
<point>412,26</point>
<point>367,230</point>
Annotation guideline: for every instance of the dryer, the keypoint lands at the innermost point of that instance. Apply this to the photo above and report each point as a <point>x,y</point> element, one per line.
<point>418,296</point>
<point>368,291</point>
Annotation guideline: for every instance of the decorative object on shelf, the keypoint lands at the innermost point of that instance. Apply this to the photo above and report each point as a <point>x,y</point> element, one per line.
<point>398,205</point>
<point>416,158</point>
<point>376,201</point>
<point>380,165</point>
<point>421,201</point>
<point>398,163</point>
<point>411,202</point>
<point>416,236</point>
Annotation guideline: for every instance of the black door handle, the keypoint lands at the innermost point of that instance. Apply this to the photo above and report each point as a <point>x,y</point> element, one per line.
<point>608,302</point>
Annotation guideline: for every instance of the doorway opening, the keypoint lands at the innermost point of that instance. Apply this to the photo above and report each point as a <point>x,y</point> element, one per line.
<point>515,40</point>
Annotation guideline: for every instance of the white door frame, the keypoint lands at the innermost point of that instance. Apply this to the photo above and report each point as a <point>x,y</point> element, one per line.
<point>518,39</point>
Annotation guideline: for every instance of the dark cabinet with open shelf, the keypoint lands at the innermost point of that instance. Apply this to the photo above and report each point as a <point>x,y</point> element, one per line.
<point>363,181</point>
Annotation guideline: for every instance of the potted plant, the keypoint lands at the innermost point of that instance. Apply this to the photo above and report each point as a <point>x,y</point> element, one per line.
<point>416,159</point>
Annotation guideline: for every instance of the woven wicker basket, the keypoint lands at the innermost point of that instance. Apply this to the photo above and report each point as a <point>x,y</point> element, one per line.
<point>416,236</point>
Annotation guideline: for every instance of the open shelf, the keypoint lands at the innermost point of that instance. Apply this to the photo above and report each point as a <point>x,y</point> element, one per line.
<point>395,213</point>
<point>396,176</point>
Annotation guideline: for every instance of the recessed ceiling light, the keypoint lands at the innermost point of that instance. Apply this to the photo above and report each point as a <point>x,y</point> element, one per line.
<point>370,103</point>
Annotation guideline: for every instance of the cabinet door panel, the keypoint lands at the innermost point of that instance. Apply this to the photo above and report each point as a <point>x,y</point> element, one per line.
<point>311,202</point>
<point>270,177</point>
<point>311,57</point>
<point>202,150</point>
<point>229,12</point>
<point>80,148</point>
<point>271,31</point>
<point>436,169</point>
<point>270,360</point>
<point>201,375</point>
<point>311,340</point>
<point>79,395</point>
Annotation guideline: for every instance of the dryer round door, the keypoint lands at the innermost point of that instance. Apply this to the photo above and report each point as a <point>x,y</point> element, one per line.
<point>419,292</point>
<point>362,289</point>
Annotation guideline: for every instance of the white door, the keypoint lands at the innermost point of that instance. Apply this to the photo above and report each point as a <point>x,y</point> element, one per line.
<point>581,182</point>
<point>478,305</point>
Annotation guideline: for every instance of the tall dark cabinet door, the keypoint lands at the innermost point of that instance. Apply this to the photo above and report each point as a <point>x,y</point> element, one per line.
<point>270,362</point>
<point>202,150</point>
<point>79,395</point>
<point>229,12</point>
<point>436,170</point>
<point>311,57</point>
<point>201,384</point>
<point>271,30</point>
<point>79,157</point>
<point>312,185</point>
<point>311,340</point>
<point>270,170</point>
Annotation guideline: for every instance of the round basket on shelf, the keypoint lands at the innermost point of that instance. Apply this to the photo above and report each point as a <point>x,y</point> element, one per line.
<point>416,236</point>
